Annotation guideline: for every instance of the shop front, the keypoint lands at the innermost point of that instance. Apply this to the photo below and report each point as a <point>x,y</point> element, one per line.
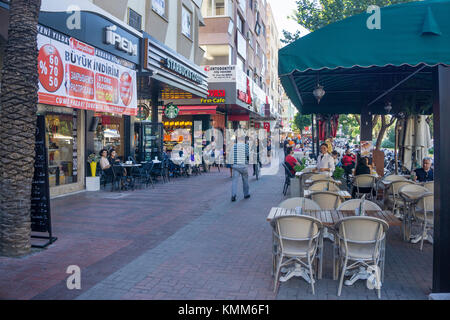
<point>166,79</point>
<point>87,89</point>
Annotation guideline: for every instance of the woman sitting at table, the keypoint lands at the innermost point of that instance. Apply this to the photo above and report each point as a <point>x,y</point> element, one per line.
<point>291,160</point>
<point>114,160</point>
<point>104,162</point>
<point>362,168</point>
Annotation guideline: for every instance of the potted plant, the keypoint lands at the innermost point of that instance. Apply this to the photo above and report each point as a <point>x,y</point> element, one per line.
<point>93,159</point>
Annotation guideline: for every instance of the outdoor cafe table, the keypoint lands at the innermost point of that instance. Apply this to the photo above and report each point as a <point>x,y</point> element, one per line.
<point>342,193</point>
<point>329,218</point>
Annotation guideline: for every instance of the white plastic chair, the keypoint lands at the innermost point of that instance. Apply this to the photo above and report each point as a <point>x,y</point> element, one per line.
<point>360,239</point>
<point>393,200</point>
<point>355,203</point>
<point>299,239</point>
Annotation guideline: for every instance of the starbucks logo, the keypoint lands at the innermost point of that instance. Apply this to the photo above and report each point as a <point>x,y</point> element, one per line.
<point>171,111</point>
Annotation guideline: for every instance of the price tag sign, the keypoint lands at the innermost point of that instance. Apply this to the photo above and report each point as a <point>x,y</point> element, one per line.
<point>51,69</point>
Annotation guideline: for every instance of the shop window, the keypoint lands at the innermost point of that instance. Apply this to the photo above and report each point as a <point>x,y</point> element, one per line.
<point>109,134</point>
<point>61,136</point>
<point>186,22</point>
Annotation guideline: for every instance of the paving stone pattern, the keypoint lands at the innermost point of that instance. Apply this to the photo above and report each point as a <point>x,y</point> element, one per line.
<point>186,240</point>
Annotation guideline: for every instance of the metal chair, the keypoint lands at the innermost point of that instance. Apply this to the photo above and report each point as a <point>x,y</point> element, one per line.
<point>288,176</point>
<point>327,200</point>
<point>360,239</point>
<point>299,239</point>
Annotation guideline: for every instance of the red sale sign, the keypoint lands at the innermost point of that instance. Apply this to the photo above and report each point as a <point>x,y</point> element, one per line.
<point>77,75</point>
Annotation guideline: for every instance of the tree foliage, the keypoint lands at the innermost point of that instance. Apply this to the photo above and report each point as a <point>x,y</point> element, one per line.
<point>301,121</point>
<point>316,14</point>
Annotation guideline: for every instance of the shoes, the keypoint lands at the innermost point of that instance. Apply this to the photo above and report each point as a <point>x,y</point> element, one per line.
<point>233,199</point>
<point>246,197</point>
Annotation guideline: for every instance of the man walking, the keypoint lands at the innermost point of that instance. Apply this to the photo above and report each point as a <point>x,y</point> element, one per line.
<point>240,167</point>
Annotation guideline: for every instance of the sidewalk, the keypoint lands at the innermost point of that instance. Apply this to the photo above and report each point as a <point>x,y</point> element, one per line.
<point>185,240</point>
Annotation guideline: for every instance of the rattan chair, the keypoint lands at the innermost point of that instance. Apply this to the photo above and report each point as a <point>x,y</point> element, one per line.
<point>327,200</point>
<point>364,181</point>
<point>324,185</point>
<point>355,203</point>
<point>360,240</point>
<point>429,185</point>
<point>424,214</point>
<point>304,203</point>
<point>299,239</point>
<point>393,200</point>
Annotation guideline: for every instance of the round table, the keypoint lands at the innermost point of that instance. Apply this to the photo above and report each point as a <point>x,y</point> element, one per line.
<point>411,199</point>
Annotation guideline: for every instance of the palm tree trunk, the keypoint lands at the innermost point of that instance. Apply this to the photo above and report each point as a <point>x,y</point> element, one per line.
<point>18,103</point>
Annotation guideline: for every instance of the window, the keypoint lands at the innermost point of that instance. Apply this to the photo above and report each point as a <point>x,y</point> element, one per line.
<point>240,24</point>
<point>134,19</point>
<point>186,22</point>
<point>243,4</point>
<point>263,27</point>
<point>159,6</point>
<point>240,63</point>
<point>220,7</point>
<point>257,24</point>
<point>250,38</point>
<point>231,27</point>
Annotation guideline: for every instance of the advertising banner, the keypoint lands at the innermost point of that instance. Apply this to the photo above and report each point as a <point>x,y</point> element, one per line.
<point>77,75</point>
<point>221,73</point>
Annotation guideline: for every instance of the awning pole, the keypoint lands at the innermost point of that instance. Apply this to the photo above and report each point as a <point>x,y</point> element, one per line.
<point>312,132</point>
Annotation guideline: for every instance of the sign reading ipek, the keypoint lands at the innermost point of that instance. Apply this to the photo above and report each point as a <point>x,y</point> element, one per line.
<point>119,41</point>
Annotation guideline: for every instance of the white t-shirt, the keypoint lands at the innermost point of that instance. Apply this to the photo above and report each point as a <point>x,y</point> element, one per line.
<point>326,161</point>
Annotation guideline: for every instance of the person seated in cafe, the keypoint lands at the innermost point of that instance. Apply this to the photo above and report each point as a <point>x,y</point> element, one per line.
<point>325,162</point>
<point>348,161</point>
<point>336,156</point>
<point>363,167</point>
<point>104,162</point>
<point>114,160</point>
<point>425,173</point>
<point>291,160</point>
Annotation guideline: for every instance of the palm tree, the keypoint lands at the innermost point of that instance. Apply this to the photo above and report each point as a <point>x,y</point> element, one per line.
<point>18,104</point>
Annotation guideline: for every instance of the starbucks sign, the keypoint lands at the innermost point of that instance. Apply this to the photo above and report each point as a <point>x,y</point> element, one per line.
<point>171,111</point>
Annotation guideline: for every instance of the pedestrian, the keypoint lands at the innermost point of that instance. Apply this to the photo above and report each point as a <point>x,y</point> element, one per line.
<point>240,167</point>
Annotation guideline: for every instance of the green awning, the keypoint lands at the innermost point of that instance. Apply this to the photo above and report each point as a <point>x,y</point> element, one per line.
<point>356,64</point>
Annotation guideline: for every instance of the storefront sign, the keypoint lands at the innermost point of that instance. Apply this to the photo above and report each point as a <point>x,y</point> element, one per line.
<point>171,111</point>
<point>222,73</point>
<point>182,70</point>
<point>267,126</point>
<point>76,75</point>
<point>245,96</point>
<point>119,41</point>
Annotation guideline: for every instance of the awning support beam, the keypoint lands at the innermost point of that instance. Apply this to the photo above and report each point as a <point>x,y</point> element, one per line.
<point>398,84</point>
<point>291,77</point>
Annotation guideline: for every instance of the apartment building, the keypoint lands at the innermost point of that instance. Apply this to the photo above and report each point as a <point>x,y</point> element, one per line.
<point>235,34</point>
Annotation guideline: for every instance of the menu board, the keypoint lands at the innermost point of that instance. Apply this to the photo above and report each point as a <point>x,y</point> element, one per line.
<point>40,189</point>
<point>77,75</point>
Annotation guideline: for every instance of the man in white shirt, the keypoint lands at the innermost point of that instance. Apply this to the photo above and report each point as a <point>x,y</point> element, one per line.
<point>325,162</point>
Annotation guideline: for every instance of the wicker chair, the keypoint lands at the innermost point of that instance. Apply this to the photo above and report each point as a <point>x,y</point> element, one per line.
<point>327,200</point>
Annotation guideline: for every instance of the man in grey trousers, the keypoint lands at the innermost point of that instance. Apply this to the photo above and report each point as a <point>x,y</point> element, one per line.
<point>240,167</point>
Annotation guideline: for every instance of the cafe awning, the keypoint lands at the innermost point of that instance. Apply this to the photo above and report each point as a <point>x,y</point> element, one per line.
<point>360,65</point>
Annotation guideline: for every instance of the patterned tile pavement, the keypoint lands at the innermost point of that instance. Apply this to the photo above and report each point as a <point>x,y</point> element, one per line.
<point>186,240</point>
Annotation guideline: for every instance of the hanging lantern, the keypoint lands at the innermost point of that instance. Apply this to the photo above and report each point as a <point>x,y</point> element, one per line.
<point>318,93</point>
<point>388,108</point>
